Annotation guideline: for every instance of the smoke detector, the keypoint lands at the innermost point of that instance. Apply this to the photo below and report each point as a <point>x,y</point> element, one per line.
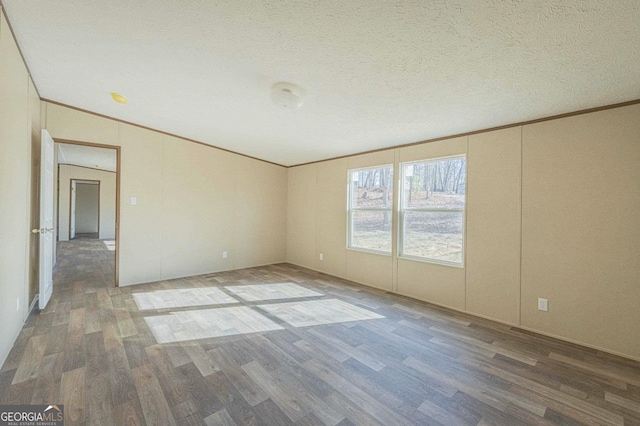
<point>287,95</point>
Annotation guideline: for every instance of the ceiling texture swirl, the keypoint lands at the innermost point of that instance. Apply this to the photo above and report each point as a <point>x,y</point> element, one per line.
<point>376,73</point>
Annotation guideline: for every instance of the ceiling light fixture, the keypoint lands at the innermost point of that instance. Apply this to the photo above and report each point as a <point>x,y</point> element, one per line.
<point>287,95</point>
<point>119,98</point>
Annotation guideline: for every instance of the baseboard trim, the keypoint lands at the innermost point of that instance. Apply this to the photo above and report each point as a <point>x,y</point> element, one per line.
<point>36,299</point>
<point>202,274</point>
<point>342,278</point>
<point>579,343</point>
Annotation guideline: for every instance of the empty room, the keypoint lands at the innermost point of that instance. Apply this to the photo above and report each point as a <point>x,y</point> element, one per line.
<point>320,213</point>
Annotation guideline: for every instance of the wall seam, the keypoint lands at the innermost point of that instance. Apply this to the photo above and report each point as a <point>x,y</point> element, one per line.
<point>286,224</point>
<point>118,206</point>
<point>466,215</point>
<point>27,148</point>
<point>521,198</point>
<point>162,208</point>
<point>395,220</point>
<point>346,199</point>
<point>315,221</point>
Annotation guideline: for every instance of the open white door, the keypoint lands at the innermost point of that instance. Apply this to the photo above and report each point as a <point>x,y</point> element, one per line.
<point>46,220</point>
<point>72,213</point>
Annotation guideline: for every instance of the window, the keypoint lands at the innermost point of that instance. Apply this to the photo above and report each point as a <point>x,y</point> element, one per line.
<point>369,209</point>
<point>432,210</point>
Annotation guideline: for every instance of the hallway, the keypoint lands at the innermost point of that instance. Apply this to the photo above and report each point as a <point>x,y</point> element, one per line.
<point>84,261</point>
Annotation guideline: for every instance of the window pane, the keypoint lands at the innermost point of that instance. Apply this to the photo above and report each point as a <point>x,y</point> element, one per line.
<point>371,230</point>
<point>439,184</point>
<point>372,187</point>
<point>436,236</point>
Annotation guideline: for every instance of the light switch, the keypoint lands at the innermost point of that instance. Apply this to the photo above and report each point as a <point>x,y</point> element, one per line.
<point>543,305</point>
<point>134,201</point>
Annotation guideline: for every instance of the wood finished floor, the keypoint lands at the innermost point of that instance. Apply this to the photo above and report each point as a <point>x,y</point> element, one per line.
<point>93,351</point>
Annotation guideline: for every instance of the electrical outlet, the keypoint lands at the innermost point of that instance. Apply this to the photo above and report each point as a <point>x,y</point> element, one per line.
<point>321,256</point>
<point>224,255</point>
<point>543,304</point>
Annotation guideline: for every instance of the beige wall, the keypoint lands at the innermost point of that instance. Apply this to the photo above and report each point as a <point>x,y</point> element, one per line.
<point>552,211</point>
<point>193,202</point>
<point>301,216</point>
<point>581,228</point>
<point>107,199</point>
<point>331,218</point>
<point>19,122</point>
<point>493,225</point>
<point>87,208</point>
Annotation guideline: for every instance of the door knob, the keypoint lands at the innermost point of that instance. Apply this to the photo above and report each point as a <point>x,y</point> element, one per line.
<point>41,230</point>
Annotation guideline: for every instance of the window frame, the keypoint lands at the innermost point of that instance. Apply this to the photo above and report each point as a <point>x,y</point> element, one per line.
<point>402,210</point>
<point>351,208</point>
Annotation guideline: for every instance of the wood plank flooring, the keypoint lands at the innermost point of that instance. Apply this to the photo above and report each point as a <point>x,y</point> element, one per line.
<point>332,353</point>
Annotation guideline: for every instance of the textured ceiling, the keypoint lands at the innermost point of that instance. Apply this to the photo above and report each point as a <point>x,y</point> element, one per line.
<point>376,73</point>
<point>87,156</point>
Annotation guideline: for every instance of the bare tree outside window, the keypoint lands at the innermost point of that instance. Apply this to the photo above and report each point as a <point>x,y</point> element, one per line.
<point>370,208</point>
<point>432,210</point>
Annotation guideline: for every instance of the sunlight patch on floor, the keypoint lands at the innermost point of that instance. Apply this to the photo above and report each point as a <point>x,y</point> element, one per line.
<point>110,244</point>
<point>207,323</point>
<point>317,312</point>
<point>226,321</point>
<point>253,293</point>
<point>182,298</point>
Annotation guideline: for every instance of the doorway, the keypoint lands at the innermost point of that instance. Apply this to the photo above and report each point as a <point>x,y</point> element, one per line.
<point>84,217</point>
<point>87,213</point>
